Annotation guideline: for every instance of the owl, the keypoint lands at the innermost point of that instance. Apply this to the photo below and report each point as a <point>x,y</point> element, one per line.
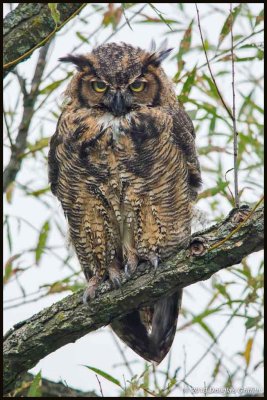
<point>124,166</point>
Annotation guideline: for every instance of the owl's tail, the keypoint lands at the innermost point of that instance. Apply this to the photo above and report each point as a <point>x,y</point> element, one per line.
<point>153,345</point>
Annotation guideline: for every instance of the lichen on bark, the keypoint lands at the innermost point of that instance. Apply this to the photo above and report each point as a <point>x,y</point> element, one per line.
<point>27,26</point>
<point>69,319</point>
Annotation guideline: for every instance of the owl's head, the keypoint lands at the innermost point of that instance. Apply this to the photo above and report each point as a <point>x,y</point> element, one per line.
<point>119,78</point>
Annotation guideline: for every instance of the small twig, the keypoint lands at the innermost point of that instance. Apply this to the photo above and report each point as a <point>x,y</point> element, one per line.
<point>29,100</point>
<point>125,16</point>
<point>228,187</point>
<point>125,23</point>
<point>215,340</point>
<point>22,82</point>
<point>26,302</point>
<point>160,15</point>
<point>99,385</point>
<point>234,116</point>
<point>8,131</point>
<point>126,362</point>
<point>208,63</point>
<point>224,52</point>
<point>238,226</point>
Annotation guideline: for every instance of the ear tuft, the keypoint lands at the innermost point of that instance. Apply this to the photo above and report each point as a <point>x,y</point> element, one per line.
<point>156,58</point>
<point>79,60</point>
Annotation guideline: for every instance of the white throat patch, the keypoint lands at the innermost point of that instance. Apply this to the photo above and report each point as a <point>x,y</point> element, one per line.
<point>110,121</point>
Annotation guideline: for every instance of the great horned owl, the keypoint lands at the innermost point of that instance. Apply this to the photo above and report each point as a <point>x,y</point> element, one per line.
<point>124,166</point>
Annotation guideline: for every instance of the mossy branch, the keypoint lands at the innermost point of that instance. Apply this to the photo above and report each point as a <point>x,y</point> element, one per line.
<point>68,320</point>
<point>29,26</point>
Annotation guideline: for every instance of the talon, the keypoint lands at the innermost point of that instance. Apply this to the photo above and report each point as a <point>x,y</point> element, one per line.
<point>90,291</point>
<point>154,260</point>
<point>115,274</point>
<point>127,271</point>
<point>130,266</point>
<point>88,295</point>
<point>116,282</point>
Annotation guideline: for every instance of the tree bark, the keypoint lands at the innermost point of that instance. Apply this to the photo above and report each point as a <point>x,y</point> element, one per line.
<point>27,26</point>
<point>48,389</point>
<point>69,319</point>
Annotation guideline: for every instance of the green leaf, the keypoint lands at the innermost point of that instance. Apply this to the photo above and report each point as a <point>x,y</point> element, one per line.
<point>259,18</point>
<point>54,12</point>
<point>82,38</point>
<point>212,191</point>
<point>35,388</point>
<point>252,321</point>
<point>185,44</point>
<point>38,145</point>
<point>216,369</point>
<point>104,375</point>
<point>229,23</point>
<point>54,85</point>
<point>37,193</point>
<point>189,83</point>
<point>8,231</point>
<point>206,329</point>
<point>222,290</point>
<point>42,242</point>
<point>59,286</point>
<point>247,352</point>
<point>9,192</point>
<point>9,268</point>
<point>160,15</point>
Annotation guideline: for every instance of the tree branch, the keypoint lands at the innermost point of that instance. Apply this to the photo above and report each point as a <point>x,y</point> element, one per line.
<point>68,320</point>
<point>48,389</point>
<point>29,100</point>
<point>29,26</point>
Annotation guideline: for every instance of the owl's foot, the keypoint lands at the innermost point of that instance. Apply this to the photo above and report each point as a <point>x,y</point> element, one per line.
<point>90,291</point>
<point>115,274</point>
<point>130,265</point>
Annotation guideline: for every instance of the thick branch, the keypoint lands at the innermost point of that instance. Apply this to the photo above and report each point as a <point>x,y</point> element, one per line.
<point>68,320</point>
<point>48,389</point>
<point>27,26</point>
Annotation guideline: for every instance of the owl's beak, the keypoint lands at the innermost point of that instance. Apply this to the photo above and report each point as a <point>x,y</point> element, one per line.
<point>118,104</point>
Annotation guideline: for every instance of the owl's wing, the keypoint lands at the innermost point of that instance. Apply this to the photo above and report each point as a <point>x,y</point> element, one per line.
<point>184,137</point>
<point>53,165</point>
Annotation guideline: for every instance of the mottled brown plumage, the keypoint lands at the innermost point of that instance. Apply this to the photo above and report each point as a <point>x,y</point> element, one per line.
<point>124,166</point>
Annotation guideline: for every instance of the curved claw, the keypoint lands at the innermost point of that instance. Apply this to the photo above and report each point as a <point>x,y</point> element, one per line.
<point>115,274</point>
<point>127,271</point>
<point>88,294</point>
<point>90,291</point>
<point>154,261</point>
<point>116,282</point>
<point>131,265</point>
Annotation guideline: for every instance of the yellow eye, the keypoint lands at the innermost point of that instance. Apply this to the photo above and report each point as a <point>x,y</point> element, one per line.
<point>137,86</point>
<point>99,86</point>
